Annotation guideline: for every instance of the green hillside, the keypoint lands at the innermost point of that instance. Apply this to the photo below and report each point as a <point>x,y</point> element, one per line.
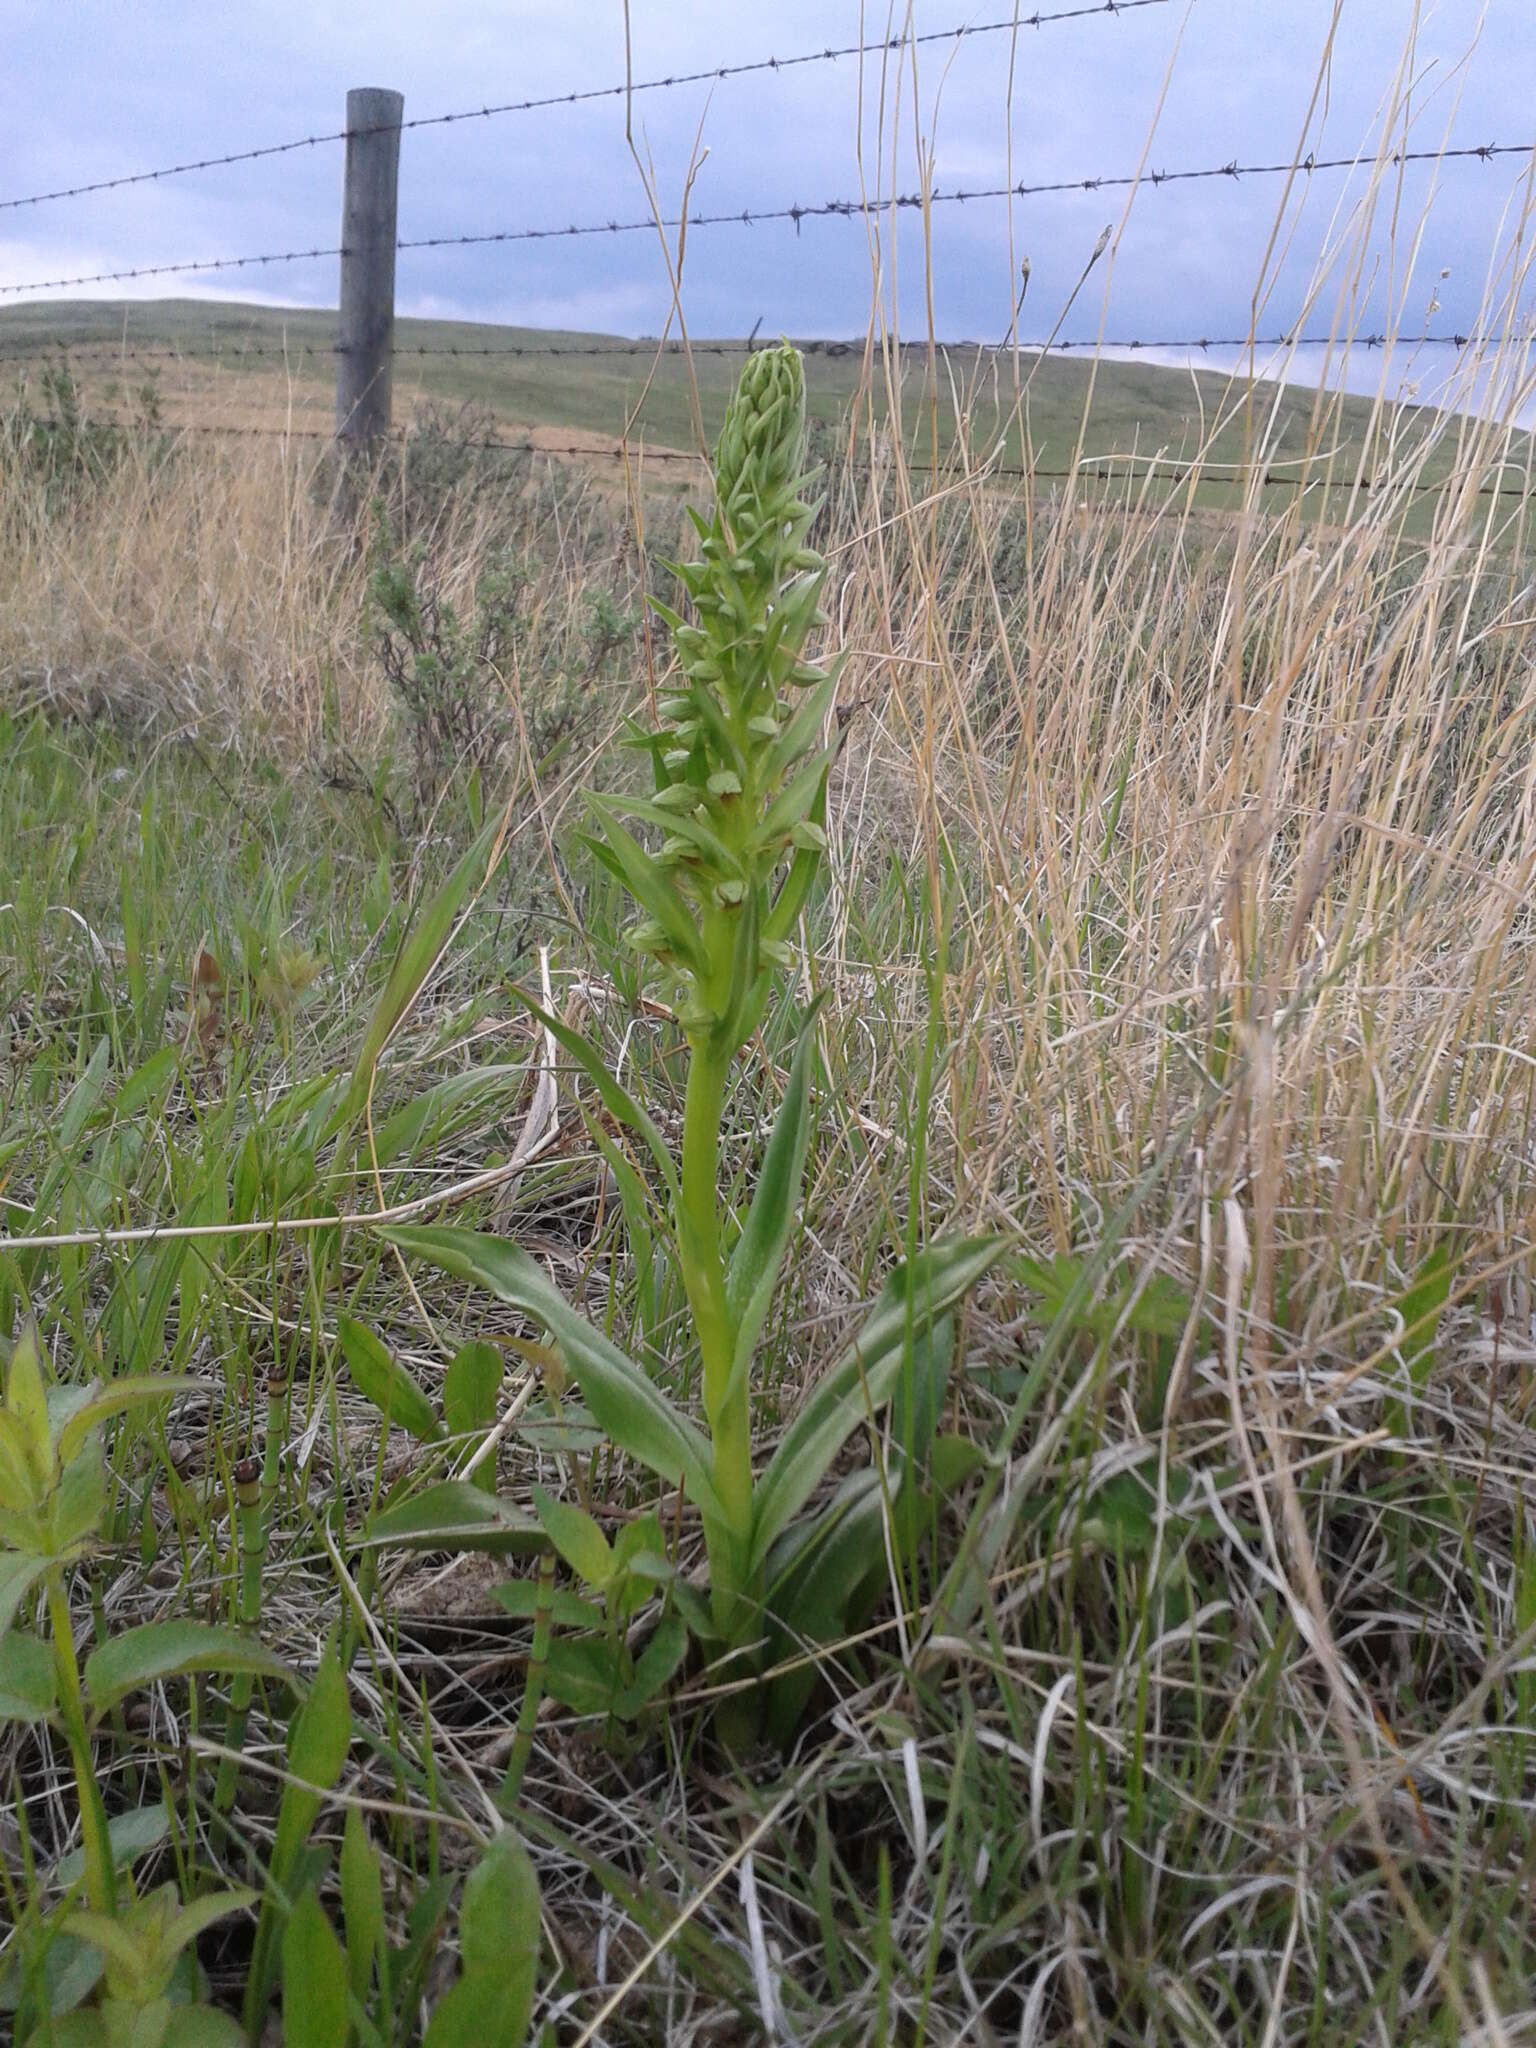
<point>1137,409</point>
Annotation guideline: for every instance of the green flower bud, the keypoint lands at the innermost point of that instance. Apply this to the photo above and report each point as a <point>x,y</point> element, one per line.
<point>681,796</point>
<point>759,449</point>
<point>736,754</point>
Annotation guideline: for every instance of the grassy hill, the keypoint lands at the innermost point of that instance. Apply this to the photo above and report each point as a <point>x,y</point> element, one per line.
<point>117,348</point>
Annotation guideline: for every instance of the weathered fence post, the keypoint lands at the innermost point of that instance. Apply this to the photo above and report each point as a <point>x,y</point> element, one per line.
<point>365,342</point>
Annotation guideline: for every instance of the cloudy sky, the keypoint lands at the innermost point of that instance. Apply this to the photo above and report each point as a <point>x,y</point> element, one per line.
<point>92,90</point>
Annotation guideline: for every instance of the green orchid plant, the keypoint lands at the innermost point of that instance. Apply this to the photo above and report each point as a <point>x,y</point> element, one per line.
<point>739,765</point>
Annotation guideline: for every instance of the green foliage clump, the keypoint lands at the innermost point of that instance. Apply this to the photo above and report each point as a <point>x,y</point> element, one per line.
<point>472,684</point>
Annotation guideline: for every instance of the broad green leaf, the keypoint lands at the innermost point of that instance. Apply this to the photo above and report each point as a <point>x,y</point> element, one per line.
<point>624,1402</point>
<point>28,1688</point>
<point>520,1597</point>
<point>26,1402</point>
<point>932,1351</point>
<point>149,1084</point>
<point>805,727</point>
<point>20,1571</point>
<point>863,1378</point>
<point>314,1980</point>
<point>386,1383</point>
<point>130,1835</point>
<point>824,1571</point>
<point>1121,1513</point>
<point>20,1487</point>
<point>577,1538</point>
<point>625,857</point>
<point>822,1578</point>
<point>120,1395</point>
<point>727,1033</point>
<point>952,1461</point>
<point>322,1729</point>
<point>800,1586</point>
<point>111,1938</point>
<point>798,883</point>
<point>419,953</point>
<point>614,1096</point>
<point>1421,1306</point>
<point>199,1914</point>
<point>1156,1306</point>
<point>202,2026</point>
<point>172,1649</point>
<point>638,1539</point>
<point>66,1401</point>
<point>1122,1516</point>
<point>794,801</point>
<point>500,1910</point>
<point>696,830</point>
<point>656,1665</point>
<point>68,1971</point>
<point>84,2029</point>
<point>318,1742</point>
<point>571,1430</point>
<point>499,1937</point>
<point>454,1515</point>
<point>79,1501</point>
<point>640,1228</point>
<point>362,1903</point>
<point>81,1102</point>
<point>583,1674</point>
<point>471,1391</point>
<point>759,1252</point>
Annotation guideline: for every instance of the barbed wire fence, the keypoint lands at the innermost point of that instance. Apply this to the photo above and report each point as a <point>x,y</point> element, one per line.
<point>381,349</point>
<point>1113,469</point>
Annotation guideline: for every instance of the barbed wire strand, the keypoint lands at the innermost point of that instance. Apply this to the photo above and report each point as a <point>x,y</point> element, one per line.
<point>842,209</point>
<point>50,284</point>
<point>858,209</point>
<point>826,55</point>
<point>1094,469</point>
<point>113,352</point>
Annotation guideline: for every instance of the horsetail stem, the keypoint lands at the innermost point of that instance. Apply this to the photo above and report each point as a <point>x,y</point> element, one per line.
<point>254,1486</point>
<point>533,1683</point>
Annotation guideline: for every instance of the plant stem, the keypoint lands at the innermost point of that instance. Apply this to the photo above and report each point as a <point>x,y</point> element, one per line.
<point>100,1880</point>
<point>726,1403</point>
<point>251,1494</point>
<point>533,1685</point>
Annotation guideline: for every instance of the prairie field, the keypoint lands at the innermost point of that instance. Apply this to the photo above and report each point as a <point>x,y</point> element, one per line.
<point>1172,939</point>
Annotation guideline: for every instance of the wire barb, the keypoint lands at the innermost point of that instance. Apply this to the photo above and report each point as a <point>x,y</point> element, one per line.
<point>49,284</point>
<point>571,99</point>
<point>116,352</point>
<point>841,209</point>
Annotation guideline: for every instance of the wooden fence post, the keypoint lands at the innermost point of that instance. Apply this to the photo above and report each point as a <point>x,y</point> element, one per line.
<point>365,341</point>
